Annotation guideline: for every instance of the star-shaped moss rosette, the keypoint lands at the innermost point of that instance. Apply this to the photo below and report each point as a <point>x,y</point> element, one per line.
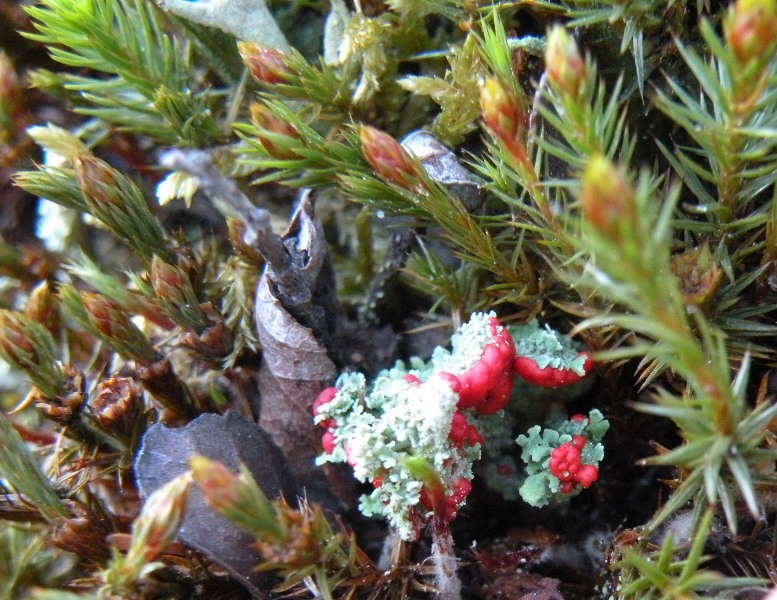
<point>562,461</point>
<point>407,415</point>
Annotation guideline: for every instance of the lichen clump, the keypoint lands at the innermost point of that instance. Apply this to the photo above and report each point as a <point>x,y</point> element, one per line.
<point>416,412</point>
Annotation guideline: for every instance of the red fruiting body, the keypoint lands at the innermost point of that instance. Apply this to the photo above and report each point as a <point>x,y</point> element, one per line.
<point>462,433</point>
<point>588,365</point>
<point>486,385</point>
<point>324,397</point>
<point>452,380</point>
<point>473,436</point>
<point>549,377</point>
<point>531,372</point>
<point>502,338</point>
<point>377,482</point>
<point>328,424</point>
<point>412,379</point>
<point>565,465</point>
<point>458,433</point>
<point>578,418</point>
<point>328,441</point>
<point>565,462</point>
<point>445,507</point>
<point>460,491</point>
<point>499,395</point>
<point>476,382</point>
<point>491,356</point>
<point>587,475</point>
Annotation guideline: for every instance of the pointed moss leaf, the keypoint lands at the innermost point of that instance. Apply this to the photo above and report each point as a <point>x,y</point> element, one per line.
<point>19,467</point>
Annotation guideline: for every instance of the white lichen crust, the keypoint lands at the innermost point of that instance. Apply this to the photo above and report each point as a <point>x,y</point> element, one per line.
<point>466,345</point>
<point>395,420</point>
<point>378,428</point>
<point>548,348</point>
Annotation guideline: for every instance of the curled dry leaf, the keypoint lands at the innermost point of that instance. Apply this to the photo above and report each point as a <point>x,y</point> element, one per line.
<point>295,368</point>
<point>230,439</point>
<point>295,309</point>
<point>291,326</point>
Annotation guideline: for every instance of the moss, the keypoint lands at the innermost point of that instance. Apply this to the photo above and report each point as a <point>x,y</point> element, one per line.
<point>609,170</point>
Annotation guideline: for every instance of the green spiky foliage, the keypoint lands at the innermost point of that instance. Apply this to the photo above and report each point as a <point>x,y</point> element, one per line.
<point>456,93</point>
<point>622,172</point>
<point>658,573</point>
<point>147,84</point>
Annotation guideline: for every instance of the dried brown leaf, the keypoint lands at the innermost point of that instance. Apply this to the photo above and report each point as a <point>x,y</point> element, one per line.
<point>231,439</point>
<point>295,363</point>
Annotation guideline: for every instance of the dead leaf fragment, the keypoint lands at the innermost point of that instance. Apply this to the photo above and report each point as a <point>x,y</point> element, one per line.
<point>231,439</point>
